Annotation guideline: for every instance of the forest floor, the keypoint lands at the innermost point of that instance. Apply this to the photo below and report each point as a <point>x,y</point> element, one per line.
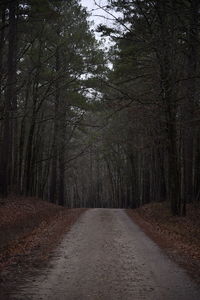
<point>29,230</point>
<point>179,236</point>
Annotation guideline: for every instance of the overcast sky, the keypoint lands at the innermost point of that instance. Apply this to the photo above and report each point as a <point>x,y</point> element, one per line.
<point>97,13</point>
<point>98,16</point>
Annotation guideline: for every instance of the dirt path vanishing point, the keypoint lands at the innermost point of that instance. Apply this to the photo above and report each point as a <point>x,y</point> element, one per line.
<point>106,256</point>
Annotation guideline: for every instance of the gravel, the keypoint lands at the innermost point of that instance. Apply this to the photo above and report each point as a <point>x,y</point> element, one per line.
<point>105,256</point>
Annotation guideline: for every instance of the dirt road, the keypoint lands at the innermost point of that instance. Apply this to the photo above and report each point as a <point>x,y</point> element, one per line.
<point>106,256</point>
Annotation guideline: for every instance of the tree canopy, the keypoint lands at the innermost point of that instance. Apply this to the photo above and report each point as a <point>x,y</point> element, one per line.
<point>79,133</point>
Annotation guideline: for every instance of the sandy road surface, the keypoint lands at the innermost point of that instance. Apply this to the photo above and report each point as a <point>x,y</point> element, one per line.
<point>106,256</point>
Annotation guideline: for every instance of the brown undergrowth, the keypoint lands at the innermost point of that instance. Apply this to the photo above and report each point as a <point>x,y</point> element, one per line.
<point>29,230</point>
<point>179,236</point>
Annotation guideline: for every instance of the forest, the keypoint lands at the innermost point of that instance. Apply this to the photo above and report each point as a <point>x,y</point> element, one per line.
<point>84,125</point>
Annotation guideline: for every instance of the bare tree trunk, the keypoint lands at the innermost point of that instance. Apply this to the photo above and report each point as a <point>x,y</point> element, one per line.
<point>54,162</point>
<point>190,104</point>
<point>166,57</point>
<point>10,105</point>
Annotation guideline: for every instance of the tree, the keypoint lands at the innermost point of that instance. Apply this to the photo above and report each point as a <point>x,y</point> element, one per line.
<point>149,67</point>
<point>45,92</point>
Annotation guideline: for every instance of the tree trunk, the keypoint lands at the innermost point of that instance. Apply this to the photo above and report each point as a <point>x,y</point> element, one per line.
<point>190,104</point>
<point>10,106</point>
